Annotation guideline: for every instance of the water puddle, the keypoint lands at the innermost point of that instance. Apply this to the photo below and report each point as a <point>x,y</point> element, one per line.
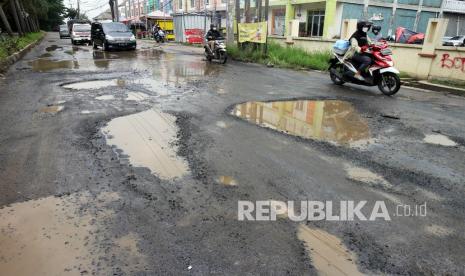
<point>105,97</point>
<point>46,55</point>
<point>328,255</point>
<point>44,64</point>
<point>333,121</point>
<point>95,84</point>
<point>227,180</point>
<point>53,109</point>
<point>439,139</point>
<point>57,236</point>
<point>365,176</point>
<point>136,96</point>
<point>147,138</point>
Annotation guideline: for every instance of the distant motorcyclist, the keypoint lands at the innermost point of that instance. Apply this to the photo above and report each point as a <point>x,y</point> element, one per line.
<point>155,30</point>
<point>359,39</point>
<point>212,35</point>
<point>376,30</point>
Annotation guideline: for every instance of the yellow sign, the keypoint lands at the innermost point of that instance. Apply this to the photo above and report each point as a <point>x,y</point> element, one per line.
<point>253,32</point>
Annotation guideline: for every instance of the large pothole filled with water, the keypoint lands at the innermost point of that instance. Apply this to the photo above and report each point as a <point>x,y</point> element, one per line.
<point>148,139</point>
<point>324,120</point>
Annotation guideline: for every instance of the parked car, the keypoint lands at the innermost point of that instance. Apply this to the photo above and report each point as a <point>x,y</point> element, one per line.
<point>456,41</point>
<point>80,34</point>
<point>64,31</point>
<point>112,35</point>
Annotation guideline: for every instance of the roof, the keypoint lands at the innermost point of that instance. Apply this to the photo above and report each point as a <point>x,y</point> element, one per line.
<point>159,15</point>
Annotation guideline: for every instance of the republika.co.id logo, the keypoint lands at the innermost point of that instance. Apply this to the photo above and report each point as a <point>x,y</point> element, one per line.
<point>269,210</point>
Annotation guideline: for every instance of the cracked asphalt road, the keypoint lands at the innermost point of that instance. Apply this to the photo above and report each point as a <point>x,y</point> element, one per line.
<point>66,159</point>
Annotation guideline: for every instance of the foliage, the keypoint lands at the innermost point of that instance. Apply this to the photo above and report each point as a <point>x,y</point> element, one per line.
<point>288,57</point>
<point>10,45</point>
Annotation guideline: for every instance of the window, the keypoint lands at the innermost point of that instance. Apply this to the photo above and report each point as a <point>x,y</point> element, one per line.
<point>192,3</point>
<point>315,23</point>
<point>180,4</point>
<point>207,2</point>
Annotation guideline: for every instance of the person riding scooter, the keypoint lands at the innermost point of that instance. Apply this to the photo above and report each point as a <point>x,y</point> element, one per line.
<point>358,40</point>
<point>212,35</point>
<point>376,30</point>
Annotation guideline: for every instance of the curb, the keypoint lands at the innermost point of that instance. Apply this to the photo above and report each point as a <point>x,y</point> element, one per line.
<point>4,65</point>
<point>425,85</point>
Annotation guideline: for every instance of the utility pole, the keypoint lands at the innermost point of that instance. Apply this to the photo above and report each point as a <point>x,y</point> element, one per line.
<point>230,22</point>
<point>238,20</point>
<point>116,10</point>
<point>78,9</point>
<point>205,19</point>
<point>267,4</point>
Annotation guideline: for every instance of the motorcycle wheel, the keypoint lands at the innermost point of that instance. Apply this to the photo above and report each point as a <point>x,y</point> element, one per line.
<point>389,83</point>
<point>223,57</point>
<point>336,80</point>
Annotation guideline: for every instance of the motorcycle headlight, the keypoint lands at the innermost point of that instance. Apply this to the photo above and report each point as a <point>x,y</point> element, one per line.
<point>133,38</point>
<point>109,37</point>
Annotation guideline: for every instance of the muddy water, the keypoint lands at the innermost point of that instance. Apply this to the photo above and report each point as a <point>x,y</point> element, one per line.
<point>44,64</point>
<point>328,255</point>
<point>334,121</point>
<point>56,236</point>
<point>366,176</point>
<point>147,138</point>
<point>136,96</point>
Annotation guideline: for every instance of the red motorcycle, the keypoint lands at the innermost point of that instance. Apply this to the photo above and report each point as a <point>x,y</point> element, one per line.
<point>381,72</point>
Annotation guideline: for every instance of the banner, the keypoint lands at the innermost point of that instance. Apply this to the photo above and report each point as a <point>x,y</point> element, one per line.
<point>194,36</point>
<point>253,32</point>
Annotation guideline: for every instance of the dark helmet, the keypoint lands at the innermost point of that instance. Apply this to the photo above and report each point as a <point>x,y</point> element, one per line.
<point>362,24</point>
<point>212,26</point>
<point>376,29</point>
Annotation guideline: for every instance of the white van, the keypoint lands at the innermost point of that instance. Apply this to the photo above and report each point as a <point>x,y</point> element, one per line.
<point>80,34</point>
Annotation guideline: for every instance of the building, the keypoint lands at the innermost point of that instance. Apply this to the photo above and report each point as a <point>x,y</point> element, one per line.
<point>316,18</point>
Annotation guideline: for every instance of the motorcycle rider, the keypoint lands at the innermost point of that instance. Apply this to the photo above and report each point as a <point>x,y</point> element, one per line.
<point>212,35</point>
<point>376,30</point>
<point>359,39</point>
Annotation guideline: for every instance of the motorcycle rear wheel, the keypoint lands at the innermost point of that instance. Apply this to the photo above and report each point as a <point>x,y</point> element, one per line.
<point>389,83</point>
<point>336,80</point>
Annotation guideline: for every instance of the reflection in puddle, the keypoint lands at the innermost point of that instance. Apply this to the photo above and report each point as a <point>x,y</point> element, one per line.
<point>332,120</point>
<point>51,109</point>
<point>43,64</point>
<point>328,255</point>
<point>57,236</point>
<point>95,84</point>
<point>439,139</point>
<point>147,138</point>
<point>227,180</point>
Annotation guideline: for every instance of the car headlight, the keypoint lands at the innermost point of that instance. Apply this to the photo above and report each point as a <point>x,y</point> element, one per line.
<point>109,37</point>
<point>133,38</point>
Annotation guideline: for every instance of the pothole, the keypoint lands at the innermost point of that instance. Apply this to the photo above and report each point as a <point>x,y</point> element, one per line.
<point>366,176</point>
<point>58,236</point>
<point>44,64</point>
<point>439,139</point>
<point>148,139</point>
<point>438,230</point>
<point>328,254</point>
<point>329,120</point>
<point>105,97</point>
<point>53,109</point>
<point>136,96</point>
<point>53,48</point>
<point>95,84</point>
<point>227,180</point>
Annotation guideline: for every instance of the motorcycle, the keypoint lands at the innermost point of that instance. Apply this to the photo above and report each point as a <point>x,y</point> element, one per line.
<point>218,52</point>
<point>381,72</point>
<point>160,36</point>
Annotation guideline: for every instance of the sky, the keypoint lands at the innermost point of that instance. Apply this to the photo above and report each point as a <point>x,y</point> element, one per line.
<point>91,8</point>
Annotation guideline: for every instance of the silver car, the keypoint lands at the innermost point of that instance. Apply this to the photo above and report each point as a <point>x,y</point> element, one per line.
<point>456,41</point>
<point>64,32</point>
